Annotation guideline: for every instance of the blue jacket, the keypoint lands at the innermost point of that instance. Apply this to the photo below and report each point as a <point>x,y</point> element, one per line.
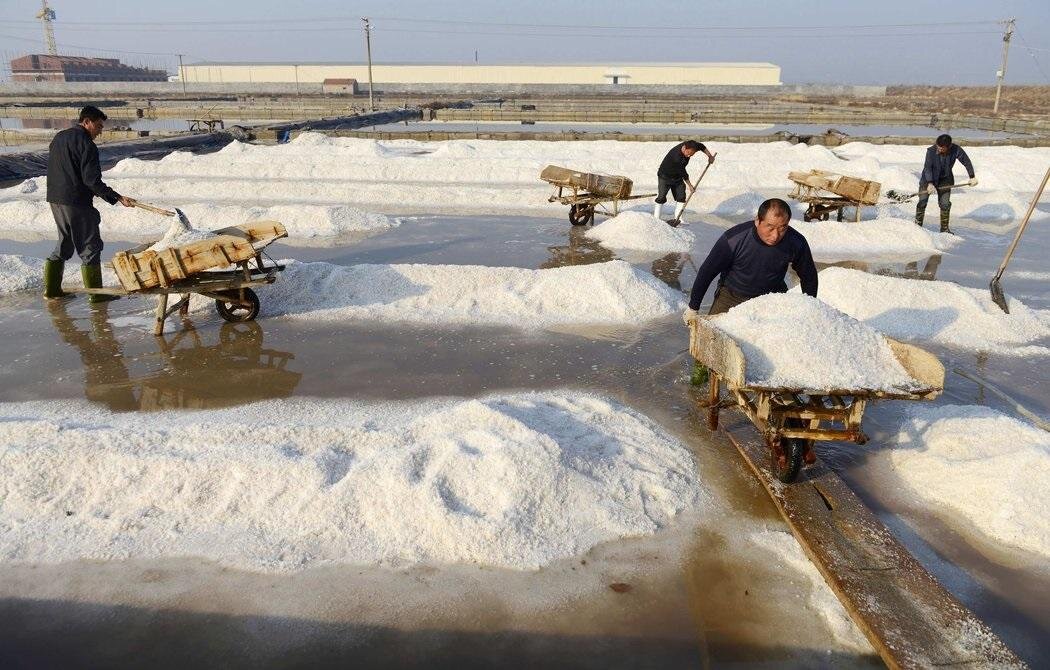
<point>751,268</point>
<point>938,169</point>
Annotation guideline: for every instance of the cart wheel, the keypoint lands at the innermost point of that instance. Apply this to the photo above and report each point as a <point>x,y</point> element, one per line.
<point>232,311</point>
<point>581,215</point>
<point>788,462</point>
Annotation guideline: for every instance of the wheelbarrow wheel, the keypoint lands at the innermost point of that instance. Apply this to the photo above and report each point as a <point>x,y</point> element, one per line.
<point>236,311</point>
<point>581,214</point>
<point>787,464</point>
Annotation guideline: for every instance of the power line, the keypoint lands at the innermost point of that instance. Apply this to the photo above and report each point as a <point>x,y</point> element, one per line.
<point>573,26</point>
<point>1031,52</point>
<point>77,46</point>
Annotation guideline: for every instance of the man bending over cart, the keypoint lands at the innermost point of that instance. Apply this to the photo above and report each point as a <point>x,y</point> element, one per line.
<point>752,259</point>
<point>671,176</point>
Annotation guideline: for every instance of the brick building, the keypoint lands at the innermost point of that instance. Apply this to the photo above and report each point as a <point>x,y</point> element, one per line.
<point>41,67</point>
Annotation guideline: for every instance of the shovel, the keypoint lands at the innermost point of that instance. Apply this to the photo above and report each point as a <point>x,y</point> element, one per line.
<point>674,223</point>
<point>183,219</point>
<point>997,291</point>
<point>905,197</point>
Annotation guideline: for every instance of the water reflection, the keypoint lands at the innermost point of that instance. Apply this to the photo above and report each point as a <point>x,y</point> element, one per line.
<point>183,372</point>
<point>908,270</point>
<point>582,250</point>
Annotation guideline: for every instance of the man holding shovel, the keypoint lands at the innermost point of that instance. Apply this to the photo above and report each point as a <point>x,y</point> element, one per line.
<point>74,178</point>
<point>671,176</point>
<point>936,178</point>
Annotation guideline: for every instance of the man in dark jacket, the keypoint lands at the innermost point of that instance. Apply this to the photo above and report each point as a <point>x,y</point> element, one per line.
<point>937,178</point>
<point>752,259</point>
<point>74,178</point>
<point>671,176</point>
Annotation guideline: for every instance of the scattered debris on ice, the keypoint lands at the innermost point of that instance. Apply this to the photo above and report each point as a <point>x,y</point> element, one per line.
<point>935,311</point>
<point>641,231</point>
<point>794,341</point>
<point>978,470</point>
<point>600,293</point>
<point>515,481</point>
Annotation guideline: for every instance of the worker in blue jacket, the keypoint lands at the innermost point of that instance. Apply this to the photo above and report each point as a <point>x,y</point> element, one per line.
<point>937,178</point>
<point>752,259</point>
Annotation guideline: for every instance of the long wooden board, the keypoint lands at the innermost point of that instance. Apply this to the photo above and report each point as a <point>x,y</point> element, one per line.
<point>909,618</point>
<point>139,269</point>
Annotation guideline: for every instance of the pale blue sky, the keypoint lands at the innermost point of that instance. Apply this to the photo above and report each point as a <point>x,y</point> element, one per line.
<point>958,51</point>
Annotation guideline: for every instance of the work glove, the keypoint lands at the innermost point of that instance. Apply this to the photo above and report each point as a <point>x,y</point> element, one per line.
<point>931,189</point>
<point>689,316</point>
<point>972,182</point>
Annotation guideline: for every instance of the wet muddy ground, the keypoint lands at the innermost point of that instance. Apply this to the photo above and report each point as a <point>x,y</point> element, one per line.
<point>699,592</point>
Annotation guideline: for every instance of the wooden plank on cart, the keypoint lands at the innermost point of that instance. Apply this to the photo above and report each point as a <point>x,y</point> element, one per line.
<point>608,186</point>
<point>141,270</point>
<point>857,190</point>
<point>909,618</point>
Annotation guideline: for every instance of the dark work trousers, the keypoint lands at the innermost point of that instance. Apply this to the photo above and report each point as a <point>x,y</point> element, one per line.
<point>77,231</point>
<point>676,187</point>
<point>944,199</point>
<point>726,300</point>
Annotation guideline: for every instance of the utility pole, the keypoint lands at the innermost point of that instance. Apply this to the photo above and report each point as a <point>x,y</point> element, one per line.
<point>368,48</point>
<point>1002,70</point>
<point>182,74</point>
<point>47,15</point>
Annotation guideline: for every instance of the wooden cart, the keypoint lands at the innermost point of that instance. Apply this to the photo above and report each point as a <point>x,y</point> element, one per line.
<point>589,192</point>
<point>827,192</point>
<point>202,268</point>
<point>791,420</point>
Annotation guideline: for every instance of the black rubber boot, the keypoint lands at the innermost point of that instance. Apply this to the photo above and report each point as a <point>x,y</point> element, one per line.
<point>920,214</point>
<point>53,280</point>
<point>92,275</point>
<point>945,215</point>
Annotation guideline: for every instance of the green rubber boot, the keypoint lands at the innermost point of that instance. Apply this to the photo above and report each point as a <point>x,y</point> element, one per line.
<point>920,214</point>
<point>53,280</point>
<point>92,275</point>
<point>945,215</point>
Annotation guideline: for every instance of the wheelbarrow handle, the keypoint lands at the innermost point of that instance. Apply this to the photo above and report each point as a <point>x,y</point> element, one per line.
<point>152,208</point>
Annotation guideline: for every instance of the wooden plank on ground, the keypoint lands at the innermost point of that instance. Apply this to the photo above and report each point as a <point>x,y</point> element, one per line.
<point>910,619</point>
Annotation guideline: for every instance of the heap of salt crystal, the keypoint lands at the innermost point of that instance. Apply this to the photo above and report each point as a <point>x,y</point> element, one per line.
<point>179,233</point>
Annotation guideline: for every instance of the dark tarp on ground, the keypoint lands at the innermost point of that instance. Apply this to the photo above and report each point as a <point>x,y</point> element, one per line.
<point>349,122</point>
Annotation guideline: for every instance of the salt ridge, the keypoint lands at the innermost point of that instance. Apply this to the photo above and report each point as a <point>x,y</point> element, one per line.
<point>515,481</point>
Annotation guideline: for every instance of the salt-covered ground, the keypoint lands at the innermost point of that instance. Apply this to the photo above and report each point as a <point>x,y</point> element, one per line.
<point>372,322</point>
<point>983,473</point>
<point>936,312</point>
<point>641,231</point>
<point>309,182</point>
<point>512,481</point>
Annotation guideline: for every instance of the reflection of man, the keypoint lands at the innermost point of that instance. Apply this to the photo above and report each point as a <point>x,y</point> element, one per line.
<point>106,378</point>
<point>937,178</point>
<point>671,176</point>
<point>752,259</point>
<point>74,178</point>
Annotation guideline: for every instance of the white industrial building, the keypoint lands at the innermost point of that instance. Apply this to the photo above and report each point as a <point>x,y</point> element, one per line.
<point>623,74</point>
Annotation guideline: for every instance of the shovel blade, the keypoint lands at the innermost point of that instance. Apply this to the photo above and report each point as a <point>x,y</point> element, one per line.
<point>998,297</point>
<point>900,197</point>
<point>183,219</point>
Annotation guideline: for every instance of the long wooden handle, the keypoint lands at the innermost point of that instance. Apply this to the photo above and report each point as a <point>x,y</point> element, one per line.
<point>151,208</point>
<point>1024,223</point>
<point>709,164</point>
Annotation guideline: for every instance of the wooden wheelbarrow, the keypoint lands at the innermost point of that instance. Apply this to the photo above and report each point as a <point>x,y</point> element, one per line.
<point>792,419</point>
<point>225,268</point>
